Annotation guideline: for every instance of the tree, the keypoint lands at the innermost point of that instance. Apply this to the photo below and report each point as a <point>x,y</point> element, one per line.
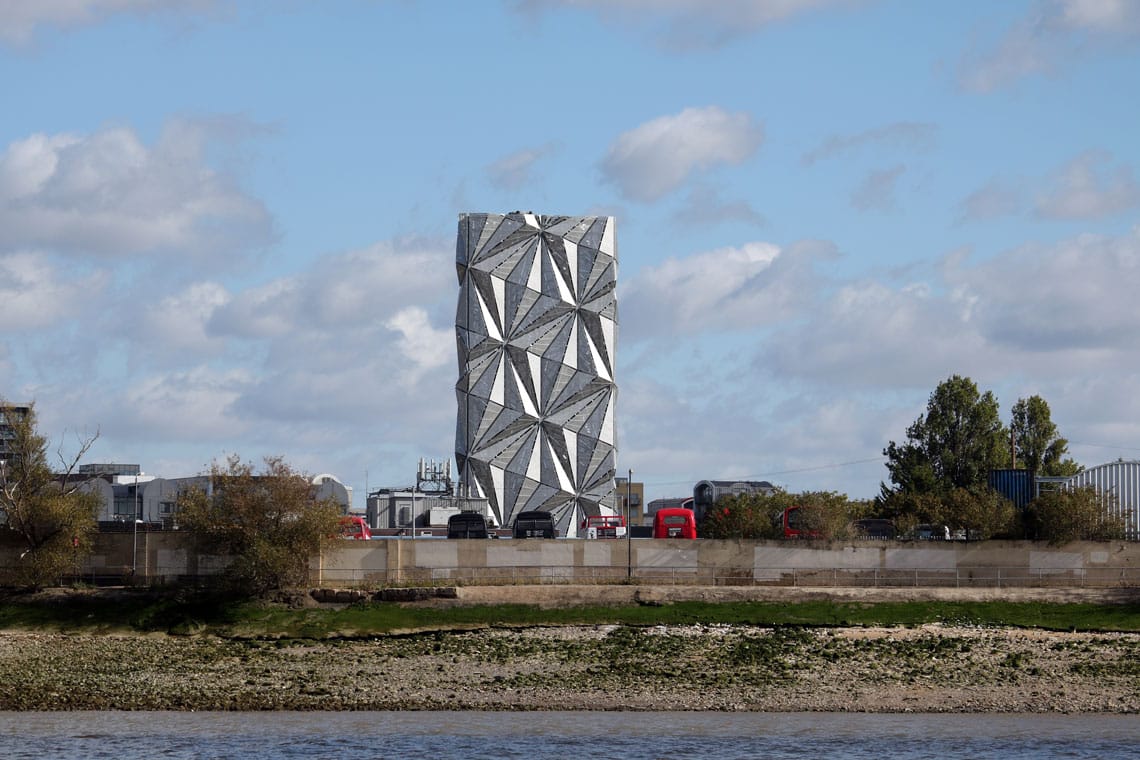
<point>1038,444</point>
<point>49,517</point>
<point>271,524</point>
<point>827,514</point>
<point>954,445</point>
<point>982,512</point>
<point>746,515</point>
<point>1073,515</point>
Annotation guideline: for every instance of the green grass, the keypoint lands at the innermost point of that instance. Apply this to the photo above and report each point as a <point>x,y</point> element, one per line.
<point>184,614</point>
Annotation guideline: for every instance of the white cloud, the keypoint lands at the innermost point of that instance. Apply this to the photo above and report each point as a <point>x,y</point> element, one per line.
<point>1060,302</point>
<point>1088,187</point>
<point>28,164</point>
<point>176,324</point>
<point>35,293</point>
<point>1113,16</point>
<point>692,24</point>
<point>733,289</point>
<point>1053,34</point>
<point>366,286</point>
<point>352,341</point>
<point>657,157</point>
<point>515,170</point>
<point>737,428</point>
<point>876,192</point>
<point>20,19</point>
<point>899,135</point>
<point>704,207</point>
<point>1057,311</point>
<point>259,312</point>
<point>423,347</point>
<point>871,335</point>
<point>340,355</point>
<point>108,194</point>
<point>193,404</point>
<point>996,198</point>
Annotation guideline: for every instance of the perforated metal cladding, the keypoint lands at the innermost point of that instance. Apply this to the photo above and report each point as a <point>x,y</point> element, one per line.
<point>536,328</point>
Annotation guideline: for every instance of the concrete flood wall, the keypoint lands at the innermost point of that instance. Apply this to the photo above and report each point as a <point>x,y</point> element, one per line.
<point>170,557</point>
<point>988,563</point>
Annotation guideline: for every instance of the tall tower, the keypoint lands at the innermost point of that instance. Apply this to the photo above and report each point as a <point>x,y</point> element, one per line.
<point>536,329</point>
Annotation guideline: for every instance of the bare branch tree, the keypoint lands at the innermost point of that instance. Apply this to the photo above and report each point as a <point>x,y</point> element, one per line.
<point>52,520</point>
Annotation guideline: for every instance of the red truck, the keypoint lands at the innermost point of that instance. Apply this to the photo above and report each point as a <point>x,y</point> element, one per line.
<point>354,528</point>
<point>604,526</point>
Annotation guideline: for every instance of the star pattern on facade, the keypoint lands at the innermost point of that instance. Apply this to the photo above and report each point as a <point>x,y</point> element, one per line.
<point>536,328</point>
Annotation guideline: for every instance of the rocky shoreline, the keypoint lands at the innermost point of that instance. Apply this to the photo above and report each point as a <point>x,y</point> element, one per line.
<point>929,668</point>
<point>731,668</point>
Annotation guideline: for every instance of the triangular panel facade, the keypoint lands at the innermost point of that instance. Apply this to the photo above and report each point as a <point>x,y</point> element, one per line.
<point>536,330</point>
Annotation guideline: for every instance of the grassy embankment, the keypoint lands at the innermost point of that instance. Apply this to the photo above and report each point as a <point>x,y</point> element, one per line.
<point>244,619</point>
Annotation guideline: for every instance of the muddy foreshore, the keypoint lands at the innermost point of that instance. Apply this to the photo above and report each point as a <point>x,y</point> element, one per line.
<point>934,668</point>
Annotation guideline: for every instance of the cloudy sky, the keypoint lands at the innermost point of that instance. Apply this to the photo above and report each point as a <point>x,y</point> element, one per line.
<point>228,226</point>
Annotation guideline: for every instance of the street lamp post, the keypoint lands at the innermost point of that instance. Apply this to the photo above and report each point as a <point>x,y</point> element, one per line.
<point>135,523</point>
<point>628,529</point>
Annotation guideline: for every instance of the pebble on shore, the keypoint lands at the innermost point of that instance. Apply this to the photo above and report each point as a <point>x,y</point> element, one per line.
<point>931,668</point>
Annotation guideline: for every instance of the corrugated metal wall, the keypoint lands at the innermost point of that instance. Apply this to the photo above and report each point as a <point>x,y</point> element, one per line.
<point>1014,485</point>
<point>1122,480</point>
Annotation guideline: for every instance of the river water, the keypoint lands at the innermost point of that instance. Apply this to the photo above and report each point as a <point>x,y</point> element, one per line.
<point>563,735</point>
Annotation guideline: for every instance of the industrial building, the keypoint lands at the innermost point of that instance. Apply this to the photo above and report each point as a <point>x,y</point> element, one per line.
<point>126,494</point>
<point>428,504</point>
<point>707,492</point>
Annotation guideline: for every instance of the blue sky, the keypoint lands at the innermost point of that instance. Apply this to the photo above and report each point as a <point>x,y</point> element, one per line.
<point>228,227</point>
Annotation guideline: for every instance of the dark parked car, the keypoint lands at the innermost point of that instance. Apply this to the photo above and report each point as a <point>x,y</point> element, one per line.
<point>467,525</point>
<point>873,527</point>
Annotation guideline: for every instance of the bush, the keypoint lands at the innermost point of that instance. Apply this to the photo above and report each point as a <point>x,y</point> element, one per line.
<point>1074,515</point>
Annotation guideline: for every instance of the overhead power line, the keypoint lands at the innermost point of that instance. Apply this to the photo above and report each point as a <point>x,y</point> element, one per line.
<point>1104,446</point>
<point>813,468</point>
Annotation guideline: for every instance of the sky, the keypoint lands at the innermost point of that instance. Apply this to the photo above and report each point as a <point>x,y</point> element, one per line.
<point>228,227</point>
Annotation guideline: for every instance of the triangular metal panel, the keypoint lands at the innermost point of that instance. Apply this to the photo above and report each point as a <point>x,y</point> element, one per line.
<point>594,232</point>
<point>556,350</point>
<point>528,387</point>
<point>556,441</point>
<point>497,229</point>
<point>496,423</point>
<point>608,244</point>
<point>486,297</point>
<point>542,311</point>
<point>506,258</point>
<point>519,302</point>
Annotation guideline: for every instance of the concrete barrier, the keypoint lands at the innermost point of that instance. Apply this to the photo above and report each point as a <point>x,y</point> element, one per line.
<point>170,557</point>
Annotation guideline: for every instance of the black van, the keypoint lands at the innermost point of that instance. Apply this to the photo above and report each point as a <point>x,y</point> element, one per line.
<point>467,525</point>
<point>534,524</point>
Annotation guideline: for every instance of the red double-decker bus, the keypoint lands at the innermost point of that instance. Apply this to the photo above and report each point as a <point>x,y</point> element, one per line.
<point>674,522</point>
<point>794,526</point>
